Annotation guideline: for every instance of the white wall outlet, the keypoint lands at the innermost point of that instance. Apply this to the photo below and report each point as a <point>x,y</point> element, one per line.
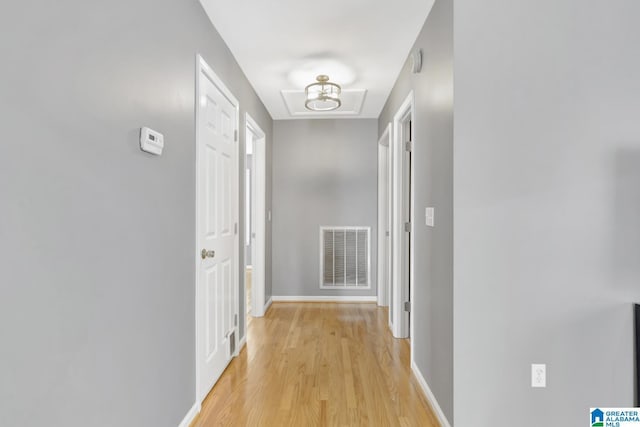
<point>429,216</point>
<point>538,375</point>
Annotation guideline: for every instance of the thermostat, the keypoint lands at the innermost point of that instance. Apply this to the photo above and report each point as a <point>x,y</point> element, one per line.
<point>151,141</point>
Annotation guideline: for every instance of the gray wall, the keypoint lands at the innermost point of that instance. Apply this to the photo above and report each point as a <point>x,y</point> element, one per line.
<point>324,173</point>
<point>433,169</point>
<point>96,237</point>
<point>547,208</point>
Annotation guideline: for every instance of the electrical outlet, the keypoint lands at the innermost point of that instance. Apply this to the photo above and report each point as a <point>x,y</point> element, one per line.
<point>538,375</point>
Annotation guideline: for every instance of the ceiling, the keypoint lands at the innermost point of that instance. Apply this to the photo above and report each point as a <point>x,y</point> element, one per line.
<point>283,45</point>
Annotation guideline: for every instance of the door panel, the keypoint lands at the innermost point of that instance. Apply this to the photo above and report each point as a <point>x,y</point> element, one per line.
<point>226,205</point>
<point>211,286</point>
<point>210,193</point>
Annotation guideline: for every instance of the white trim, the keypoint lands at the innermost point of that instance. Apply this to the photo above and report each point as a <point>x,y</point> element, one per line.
<point>400,325</point>
<point>191,415</point>
<point>324,298</point>
<point>414,222</point>
<point>442,419</point>
<point>384,157</point>
<point>203,68</point>
<point>268,304</point>
<point>241,344</point>
<point>259,202</point>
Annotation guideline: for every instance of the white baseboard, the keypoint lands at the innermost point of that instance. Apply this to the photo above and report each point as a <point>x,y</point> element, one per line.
<point>442,419</point>
<point>193,412</point>
<point>241,344</point>
<point>324,298</point>
<point>267,305</point>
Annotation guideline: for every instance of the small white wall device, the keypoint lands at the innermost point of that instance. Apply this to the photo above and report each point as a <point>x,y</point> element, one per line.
<point>151,141</point>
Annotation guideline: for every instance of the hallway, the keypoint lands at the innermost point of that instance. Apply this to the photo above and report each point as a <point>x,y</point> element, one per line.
<point>318,364</point>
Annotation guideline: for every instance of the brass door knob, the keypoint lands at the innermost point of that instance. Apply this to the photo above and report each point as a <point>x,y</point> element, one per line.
<point>207,254</point>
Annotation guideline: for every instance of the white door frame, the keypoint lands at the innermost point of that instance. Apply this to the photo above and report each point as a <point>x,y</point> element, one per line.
<point>203,68</point>
<point>258,217</point>
<point>384,205</point>
<point>400,326</point>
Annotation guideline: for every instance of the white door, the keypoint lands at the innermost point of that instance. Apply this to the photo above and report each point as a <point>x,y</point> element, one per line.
<point>217,186</point>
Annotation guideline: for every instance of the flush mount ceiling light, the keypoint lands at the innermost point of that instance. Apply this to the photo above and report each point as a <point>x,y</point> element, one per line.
<point>322,95</point>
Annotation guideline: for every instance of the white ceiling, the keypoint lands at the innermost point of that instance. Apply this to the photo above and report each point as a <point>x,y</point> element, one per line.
<point>283,45</point>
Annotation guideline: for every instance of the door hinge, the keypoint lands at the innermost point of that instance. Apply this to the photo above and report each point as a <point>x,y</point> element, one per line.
<point>387,234</point>
<point>407,306</point>
<point>407,227</point>
<point>235,228</point>
<point>235,320</point>
<point>235,135</point>
<point>408,146</point>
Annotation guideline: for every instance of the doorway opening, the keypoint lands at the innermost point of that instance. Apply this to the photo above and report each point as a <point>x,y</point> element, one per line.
<point>384,219</point>
<point>254,219</point>
<point>402,219</point>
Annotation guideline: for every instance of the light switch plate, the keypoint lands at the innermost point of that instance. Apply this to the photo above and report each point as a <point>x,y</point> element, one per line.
<point>538,375</point>
<point>429,215</point>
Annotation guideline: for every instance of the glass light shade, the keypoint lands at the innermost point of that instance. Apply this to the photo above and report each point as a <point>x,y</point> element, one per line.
<point>322,95</point>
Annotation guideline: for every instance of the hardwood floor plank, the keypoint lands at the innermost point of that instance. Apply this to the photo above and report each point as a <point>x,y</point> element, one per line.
<point>318,364</point>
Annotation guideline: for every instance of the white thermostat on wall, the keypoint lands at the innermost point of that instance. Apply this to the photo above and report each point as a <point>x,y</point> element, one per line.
<point>151,141</point>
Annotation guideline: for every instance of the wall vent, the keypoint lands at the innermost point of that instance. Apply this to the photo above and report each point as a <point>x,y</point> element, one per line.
<point>344,257</point>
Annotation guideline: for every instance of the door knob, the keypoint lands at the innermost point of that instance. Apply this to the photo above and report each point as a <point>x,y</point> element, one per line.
<point>207,254</point>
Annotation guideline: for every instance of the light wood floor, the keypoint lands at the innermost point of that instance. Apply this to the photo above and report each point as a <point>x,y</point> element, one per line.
<point>319,364</point>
